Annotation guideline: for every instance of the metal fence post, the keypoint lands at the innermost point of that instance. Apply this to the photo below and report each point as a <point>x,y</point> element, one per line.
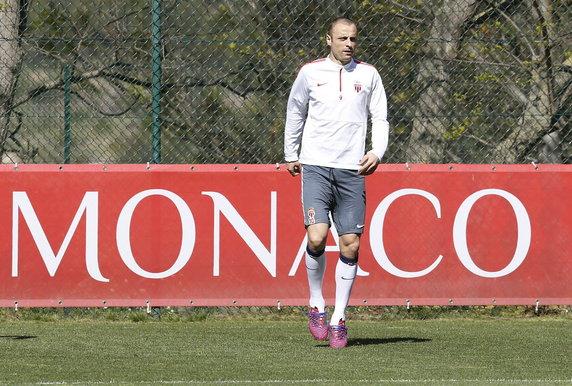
<point>156,80</point>
<point>67,113</point>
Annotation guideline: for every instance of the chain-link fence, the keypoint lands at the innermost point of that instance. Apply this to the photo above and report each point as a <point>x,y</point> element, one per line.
<point>207,81</point>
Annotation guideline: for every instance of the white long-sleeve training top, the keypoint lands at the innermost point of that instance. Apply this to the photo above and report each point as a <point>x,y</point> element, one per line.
<point>327,114</point>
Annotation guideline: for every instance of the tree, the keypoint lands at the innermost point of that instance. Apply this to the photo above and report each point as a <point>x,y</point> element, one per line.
<point>13,21</point>
<point>491,84</point>
<point>433,80</point>
<point>539,104</point>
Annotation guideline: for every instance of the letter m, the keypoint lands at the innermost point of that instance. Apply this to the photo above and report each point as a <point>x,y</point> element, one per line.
<point>89,206</point>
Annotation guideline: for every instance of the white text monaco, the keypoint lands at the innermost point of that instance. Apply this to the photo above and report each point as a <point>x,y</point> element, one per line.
<point>267,256</point>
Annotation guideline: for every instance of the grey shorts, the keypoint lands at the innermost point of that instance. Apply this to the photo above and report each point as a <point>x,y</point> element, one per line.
<point>340,192</point>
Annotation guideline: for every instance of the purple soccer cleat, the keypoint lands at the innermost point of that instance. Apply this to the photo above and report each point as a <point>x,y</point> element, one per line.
<point>317,321</point>
<point>338,335</point>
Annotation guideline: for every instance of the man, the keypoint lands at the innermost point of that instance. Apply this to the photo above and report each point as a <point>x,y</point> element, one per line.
<point>326,122</point>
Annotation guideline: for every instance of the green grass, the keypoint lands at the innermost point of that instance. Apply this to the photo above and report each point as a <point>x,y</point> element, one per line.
<point>442,351</point>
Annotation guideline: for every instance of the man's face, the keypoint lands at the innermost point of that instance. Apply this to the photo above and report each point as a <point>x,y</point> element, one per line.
<point>342,42</point>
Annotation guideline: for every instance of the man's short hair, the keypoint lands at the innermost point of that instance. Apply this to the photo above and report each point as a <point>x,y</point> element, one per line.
<point>341,19</point>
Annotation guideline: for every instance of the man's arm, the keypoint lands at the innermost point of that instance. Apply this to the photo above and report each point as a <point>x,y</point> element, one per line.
<point>379,125</point>
<point>296,113</point>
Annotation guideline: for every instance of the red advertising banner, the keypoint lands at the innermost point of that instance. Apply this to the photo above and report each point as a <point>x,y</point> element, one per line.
<point>183,235</point>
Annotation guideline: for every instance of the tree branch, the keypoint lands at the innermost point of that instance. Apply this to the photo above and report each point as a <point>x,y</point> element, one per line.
<point>93,106</point>
<point>56,85</point>
<point>483,16</point>
<point>519,30</point>
<point>509,85</point>
<point>413,19</point>
<point>107,73</point>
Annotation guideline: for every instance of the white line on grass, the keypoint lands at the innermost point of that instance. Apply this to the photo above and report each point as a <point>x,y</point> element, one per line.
<point>296,381</point>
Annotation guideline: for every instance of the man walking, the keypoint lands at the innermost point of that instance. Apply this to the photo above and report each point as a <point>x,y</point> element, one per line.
<point>324,140</point>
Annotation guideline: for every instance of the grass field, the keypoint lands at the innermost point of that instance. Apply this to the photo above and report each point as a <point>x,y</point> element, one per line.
<point>441,351</point>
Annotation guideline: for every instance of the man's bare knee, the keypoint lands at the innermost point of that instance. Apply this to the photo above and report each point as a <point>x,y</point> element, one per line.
<point>349,245</point>
<point>317,236</point>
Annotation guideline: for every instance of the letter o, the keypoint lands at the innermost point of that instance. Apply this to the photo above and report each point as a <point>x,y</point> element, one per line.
<point>460,233</point>
<point>124,226</point>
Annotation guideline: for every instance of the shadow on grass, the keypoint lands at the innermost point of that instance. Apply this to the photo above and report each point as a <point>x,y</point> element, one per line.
<point>17,337</point>
<point>371,341</point>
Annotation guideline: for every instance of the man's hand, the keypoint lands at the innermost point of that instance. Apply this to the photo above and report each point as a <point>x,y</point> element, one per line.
<point>368,164</point>
<point>294,168</point>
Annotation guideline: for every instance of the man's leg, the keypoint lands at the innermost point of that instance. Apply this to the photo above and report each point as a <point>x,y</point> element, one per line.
<point>346,270</point>
<point>316,263</point>
<point>316,201</point>
<point>315,268</point>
